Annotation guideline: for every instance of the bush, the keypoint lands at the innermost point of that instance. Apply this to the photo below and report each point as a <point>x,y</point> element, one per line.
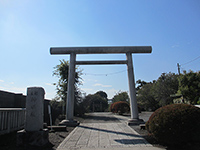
<point>111,107</point>
<point>175,124</point>
<point>79,110</point>
<point>56,110</point>
<point>120,107</point>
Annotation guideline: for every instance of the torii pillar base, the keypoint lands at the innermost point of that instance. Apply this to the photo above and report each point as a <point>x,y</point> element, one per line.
<point>132,122</point>
<point>69,123</point>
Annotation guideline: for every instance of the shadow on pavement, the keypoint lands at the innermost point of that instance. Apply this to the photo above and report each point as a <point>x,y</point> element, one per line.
<point>99,118</point>
<point>110,131</point>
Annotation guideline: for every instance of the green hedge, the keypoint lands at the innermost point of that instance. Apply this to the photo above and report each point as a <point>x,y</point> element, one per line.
<point>175,124</point>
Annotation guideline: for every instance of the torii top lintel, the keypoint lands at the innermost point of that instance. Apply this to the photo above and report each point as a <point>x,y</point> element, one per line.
<point>101,50</point>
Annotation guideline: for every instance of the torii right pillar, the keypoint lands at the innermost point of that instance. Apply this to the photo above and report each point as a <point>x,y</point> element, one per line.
<point>134,120</point>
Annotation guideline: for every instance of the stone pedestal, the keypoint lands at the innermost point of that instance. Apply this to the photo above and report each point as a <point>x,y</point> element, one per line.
<point>132,122</point>
<point>69,123</point>
<point>34,134</point>
<point>34,138</point>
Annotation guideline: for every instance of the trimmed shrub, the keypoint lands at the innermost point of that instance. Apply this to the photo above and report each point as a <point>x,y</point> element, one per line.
<point>120,107</point>
<point>111,107</point>
<point>175,124</point>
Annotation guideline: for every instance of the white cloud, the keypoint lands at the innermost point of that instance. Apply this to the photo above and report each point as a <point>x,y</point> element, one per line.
<point>50,84</point>
<point>14,89</point>
<point>1,87</point>
<point>1,80</point>
<point>87,90</point>
<point>99,84</point>
<point>11,87</point>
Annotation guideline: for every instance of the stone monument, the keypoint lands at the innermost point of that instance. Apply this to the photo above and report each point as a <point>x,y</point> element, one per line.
<point>34,134</point>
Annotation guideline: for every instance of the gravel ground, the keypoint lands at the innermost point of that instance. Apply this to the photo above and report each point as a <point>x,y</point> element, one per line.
<point>8,141</point>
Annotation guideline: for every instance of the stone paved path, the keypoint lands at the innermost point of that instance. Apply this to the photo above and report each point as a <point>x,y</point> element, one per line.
<point>104,136</point>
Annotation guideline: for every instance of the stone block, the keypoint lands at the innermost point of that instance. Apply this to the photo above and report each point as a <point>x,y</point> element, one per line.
<point>67,123</point>
<point>132,122</point>
<point>142,127</point>
<point>57,128</point>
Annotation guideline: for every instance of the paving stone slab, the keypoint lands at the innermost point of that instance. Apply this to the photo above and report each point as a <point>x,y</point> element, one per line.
<point>103,136</point>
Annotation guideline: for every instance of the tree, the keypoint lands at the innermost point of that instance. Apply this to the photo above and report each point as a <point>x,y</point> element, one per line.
<point>121,96</point>
<point>61,71</point>
<point>146,98</point>
<point>140,84</point>
<point>97,102</point>
<point>189,86</point>
<point>102,94</point>
<point>152,95</point>
<point>56,109</point>
<point>166,85</point>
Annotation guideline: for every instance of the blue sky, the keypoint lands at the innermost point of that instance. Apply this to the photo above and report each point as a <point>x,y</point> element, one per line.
<point>28,28</point>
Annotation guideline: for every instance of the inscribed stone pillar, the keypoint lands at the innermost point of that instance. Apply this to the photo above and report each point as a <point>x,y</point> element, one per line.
<point>34,109</point>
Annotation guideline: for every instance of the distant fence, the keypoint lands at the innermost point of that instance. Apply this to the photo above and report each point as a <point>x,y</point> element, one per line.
<point>11,119</point>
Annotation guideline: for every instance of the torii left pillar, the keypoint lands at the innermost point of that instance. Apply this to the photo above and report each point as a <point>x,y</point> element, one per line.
<point>70,94</point>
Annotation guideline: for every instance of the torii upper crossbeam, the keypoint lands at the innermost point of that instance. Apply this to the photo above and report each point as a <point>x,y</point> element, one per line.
<point>101,50</point>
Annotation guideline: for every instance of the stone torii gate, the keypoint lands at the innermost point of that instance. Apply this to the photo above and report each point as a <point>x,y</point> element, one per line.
<point>73,51</point>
